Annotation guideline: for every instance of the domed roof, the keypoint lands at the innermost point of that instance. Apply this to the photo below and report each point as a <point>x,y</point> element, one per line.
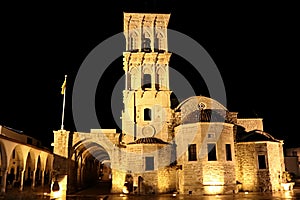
<point>255,135</point>
<point>204,109</point>
<point>149,140</point>
<point>196,101</point>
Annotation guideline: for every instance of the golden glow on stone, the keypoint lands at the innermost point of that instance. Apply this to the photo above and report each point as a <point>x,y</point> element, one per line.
<point>287,186</point>
<point>62,192</point>
<point>214,187</point>
<point>288,194</point>
<point>125,190</point>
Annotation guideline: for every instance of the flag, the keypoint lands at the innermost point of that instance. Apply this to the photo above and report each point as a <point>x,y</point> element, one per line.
<point>63,87</point>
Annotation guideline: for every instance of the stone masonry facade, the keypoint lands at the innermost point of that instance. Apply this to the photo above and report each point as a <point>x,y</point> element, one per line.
<point>195,147</point>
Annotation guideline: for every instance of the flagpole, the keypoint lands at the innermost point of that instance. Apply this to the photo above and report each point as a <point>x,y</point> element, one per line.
<point>64,103</point>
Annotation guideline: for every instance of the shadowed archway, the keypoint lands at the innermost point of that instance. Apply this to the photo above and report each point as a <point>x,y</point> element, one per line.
<point>87,164</point>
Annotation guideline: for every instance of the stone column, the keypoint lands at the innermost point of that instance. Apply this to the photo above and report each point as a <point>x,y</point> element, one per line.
<point>22,180</point>
<point>167,78</point>
<point>166,38</point>
<point>140,42</point>
<point>153,77</point>
<point>126,80</point>
<point>33,179</point>
<point>43,177</point>
<point>3,187</point>
<point>60,162</point>
<point>152,36</point>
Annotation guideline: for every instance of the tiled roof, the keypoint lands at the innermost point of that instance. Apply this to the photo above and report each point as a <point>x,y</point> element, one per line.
<point>255,135</point>
<point>149,140</point>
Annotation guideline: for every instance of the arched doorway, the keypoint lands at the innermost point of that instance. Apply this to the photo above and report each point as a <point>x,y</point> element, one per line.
<point>90,165</point>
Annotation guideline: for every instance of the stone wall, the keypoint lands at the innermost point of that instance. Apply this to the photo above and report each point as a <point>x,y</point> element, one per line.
<point>118,180</point>
<point>131,161</point>
<point>166,180</point>
<point>251,123</point>
<point>159,181</point>
<point>191,178</point>
<point>119,169</point>
<point>246,160</point>
<point>248,173</point>
<point>276,164</point>
<point>203,176</point>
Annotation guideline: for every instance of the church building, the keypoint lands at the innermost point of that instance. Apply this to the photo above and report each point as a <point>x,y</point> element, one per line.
<point>196,146</point>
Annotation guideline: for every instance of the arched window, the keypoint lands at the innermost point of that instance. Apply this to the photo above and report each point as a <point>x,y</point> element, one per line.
<point>146,81</point>
<point>160,79</point>
<point>133,79</point>
<point>147,114</point>
<point>159,41</point>
<point>146,44</point>
<point>133,41</point>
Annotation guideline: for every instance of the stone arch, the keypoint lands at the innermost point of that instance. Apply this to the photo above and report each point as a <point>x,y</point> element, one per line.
<point>14,163</point>
<point>147,69</point>
<point>147,77</point>
<point>95,149</point>
<point>147,33</point>
<point>146,42</point>
<point>3,166</point>
<point>15,166</point>
<point>133,41</point>
<point>133,84</point>
<point>160,78</point>
<point>38,171</point>
<point>3,157</point>
<point>29,168</point>
<point>48,168</point>
<point>87,156</point>
<point>159,40</point>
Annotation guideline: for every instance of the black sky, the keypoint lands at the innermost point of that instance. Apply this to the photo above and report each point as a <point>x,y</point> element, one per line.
<point>255,47</point>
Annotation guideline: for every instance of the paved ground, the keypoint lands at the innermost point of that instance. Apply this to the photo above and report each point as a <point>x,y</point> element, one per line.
<point>101,192</point>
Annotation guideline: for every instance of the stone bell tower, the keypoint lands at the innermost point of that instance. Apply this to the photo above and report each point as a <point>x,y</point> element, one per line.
<point>147,112</point>
<point>146,98</point>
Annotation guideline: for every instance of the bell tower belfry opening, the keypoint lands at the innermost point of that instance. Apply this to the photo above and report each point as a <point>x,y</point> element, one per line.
<point>146,95</point>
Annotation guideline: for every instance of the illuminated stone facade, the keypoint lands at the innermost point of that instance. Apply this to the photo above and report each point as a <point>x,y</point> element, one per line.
<point>204,124</point>
<point>23,161</point>
<point>260,165</point>
<point>194,147</point>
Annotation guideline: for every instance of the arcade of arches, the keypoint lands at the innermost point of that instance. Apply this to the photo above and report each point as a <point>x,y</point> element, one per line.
<point>86,161</point>
<point>23,165</point>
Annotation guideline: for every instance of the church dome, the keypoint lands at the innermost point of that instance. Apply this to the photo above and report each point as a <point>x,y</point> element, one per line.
<point>202,109</point>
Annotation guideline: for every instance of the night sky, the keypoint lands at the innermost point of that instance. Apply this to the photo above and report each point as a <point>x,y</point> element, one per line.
<point>254,46</point>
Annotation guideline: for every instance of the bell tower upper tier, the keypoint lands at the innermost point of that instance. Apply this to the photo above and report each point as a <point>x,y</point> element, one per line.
<point>146,32</point>
<point>146,97</point>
